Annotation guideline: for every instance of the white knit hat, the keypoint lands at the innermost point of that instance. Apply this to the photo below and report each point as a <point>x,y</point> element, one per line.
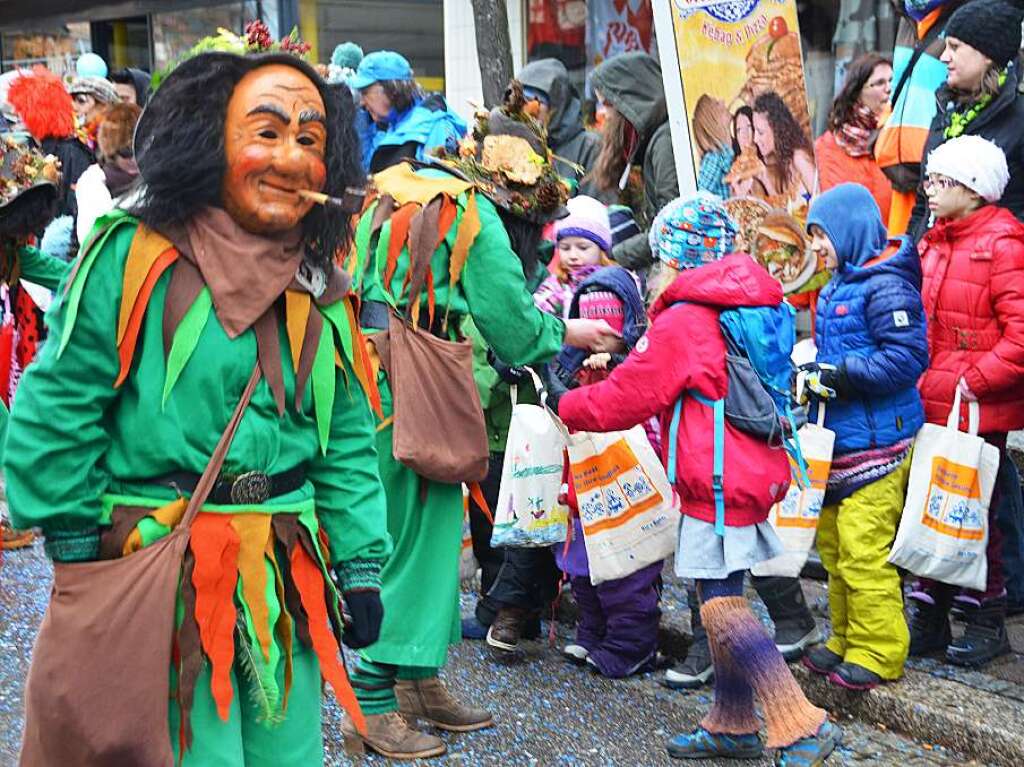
<point>588,218</point>
<point>973,161</point>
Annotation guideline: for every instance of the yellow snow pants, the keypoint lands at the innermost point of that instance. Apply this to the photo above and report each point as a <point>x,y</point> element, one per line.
<point>865,597</point>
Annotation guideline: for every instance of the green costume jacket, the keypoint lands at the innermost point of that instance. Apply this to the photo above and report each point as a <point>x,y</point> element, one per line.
<point>77,445</point>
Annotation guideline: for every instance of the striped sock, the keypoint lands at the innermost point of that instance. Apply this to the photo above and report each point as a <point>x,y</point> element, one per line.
<point>749,650</point>
<point>374,685</point>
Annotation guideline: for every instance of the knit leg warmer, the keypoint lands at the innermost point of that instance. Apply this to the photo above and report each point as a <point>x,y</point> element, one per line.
<point>748,651</point>
<point>732,712</point>
<point>374,685</point>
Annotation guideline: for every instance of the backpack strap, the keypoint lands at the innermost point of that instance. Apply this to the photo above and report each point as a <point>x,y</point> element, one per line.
<point>718,459</point>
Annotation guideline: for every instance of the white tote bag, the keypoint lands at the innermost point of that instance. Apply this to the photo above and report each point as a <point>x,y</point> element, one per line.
<point>629,514</point>
<point>944,529</point>
<point>795,517</point>
<point>529,514</point>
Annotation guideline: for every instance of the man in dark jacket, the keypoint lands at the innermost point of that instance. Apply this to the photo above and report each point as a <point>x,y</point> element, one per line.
<point>576,149</point>
<point>981,94</point>
<point>631,86</point>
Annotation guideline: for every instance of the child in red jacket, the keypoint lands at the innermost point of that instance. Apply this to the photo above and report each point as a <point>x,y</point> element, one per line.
<point>684,352</point>
<point>973,265</point>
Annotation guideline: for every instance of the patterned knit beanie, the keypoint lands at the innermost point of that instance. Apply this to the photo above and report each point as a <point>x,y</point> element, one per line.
<point>603,305</point>
<point>622,222</point>
<point>588,218</point>
<point>692,231</point>
<point>991,27</point>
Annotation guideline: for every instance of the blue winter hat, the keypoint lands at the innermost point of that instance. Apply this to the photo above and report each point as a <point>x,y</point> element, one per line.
<point>381,65</point>
<point>692,231</point>
<point>347,55</point>
<point>91,65</point>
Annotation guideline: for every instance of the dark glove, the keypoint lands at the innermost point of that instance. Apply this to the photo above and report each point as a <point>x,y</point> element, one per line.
<point>826,381</point>
<point>359,580</point>
<point>510,375</point>
<point>553,386</point>
<point>366,612</point>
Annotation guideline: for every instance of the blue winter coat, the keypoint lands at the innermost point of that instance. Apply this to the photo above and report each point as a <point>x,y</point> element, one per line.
<point>870,323</point>
<point>419,130</point>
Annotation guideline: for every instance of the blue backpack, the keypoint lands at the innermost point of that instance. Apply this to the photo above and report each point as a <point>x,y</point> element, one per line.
<point>759,341</point>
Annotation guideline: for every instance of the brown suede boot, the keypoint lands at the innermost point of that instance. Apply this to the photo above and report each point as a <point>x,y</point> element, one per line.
<point>391,736</point>
<point>429,700</point>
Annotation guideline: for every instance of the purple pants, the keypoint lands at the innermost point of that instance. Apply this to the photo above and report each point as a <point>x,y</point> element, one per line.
<point>618,621</point>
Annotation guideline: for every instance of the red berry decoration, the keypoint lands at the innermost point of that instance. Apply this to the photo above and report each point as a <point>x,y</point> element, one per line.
<point>258,35</point>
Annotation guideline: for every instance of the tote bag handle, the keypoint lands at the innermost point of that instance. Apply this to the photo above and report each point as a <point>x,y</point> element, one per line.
<point>973,415</point>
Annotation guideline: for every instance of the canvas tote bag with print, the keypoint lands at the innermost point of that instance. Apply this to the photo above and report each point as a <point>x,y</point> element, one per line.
<point>529,513</point>
<point>628,511</point>
<point>795,518</point>
<point>944,529</point>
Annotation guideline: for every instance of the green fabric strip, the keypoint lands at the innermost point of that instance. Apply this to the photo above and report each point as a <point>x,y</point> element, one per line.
<point>335,314</point>
<point>324,384</point>
<point>186,338</point>
<point>362,243</point>
<point>111,223</point>
<point>110,500</point>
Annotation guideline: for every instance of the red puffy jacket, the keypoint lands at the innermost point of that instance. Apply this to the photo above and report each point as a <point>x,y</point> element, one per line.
<point>973,295</point>
<point>684,350</point>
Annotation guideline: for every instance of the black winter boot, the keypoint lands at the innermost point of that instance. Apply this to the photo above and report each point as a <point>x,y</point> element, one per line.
<point>698,668</point>
<point>929,622</point>
<point>985,637</point>
<point>795,629</point>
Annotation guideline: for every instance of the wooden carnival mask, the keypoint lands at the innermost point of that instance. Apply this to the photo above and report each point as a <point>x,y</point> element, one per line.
<point>274,144</point>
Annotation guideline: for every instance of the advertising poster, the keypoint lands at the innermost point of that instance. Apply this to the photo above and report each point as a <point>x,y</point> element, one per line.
<point>618,26</point>
<point>741,101</point>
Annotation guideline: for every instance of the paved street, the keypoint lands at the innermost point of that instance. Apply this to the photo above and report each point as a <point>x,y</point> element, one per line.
<point>548,712</point>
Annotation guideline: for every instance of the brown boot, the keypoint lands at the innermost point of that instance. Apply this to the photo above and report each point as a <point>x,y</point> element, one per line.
<point>391,736</point>
<point>506,628</point>
<point>15,539</point>
<point>429,700</point>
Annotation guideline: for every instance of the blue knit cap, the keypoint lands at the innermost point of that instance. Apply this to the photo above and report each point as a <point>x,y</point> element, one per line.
<point>692,231</point>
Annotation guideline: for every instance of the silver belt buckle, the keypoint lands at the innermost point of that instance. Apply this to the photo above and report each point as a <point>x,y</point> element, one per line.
<point>250,488</point>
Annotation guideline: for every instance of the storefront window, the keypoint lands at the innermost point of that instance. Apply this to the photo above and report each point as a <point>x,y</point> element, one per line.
<point>176,32</point>
<point>55,46</point>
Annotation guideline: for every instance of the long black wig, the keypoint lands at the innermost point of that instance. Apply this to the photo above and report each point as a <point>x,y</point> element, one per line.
<point>179,147</point>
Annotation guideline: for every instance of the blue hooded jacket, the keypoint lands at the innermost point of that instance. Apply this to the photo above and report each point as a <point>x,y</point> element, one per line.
<point>870,323</point>
<point>420,125</point>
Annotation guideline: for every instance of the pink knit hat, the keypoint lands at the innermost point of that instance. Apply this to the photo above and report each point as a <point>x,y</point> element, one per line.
<point>588,218</point>
<point>603,305</point>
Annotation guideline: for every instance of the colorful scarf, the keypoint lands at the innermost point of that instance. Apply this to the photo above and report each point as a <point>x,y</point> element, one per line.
<point>854,136</point>
<point>919,9</point>
<point>959,120</point>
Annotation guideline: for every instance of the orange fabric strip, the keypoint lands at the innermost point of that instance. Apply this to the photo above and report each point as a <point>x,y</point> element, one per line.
<point>309,581</point>
<point>215,546</point>
<point>477,494</point>
<point>253,531</point>
<point>400,220</point>
<point>147,246</point>
<point>449,211</point>
<point>126,346</point>
<point>468,230</point>
<point>362,366</point>
<point>297,306</point>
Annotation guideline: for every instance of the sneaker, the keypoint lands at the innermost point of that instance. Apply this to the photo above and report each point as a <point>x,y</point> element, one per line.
<point>696,671</point>
<point>575,653</point>
<point>812,751</point>
<point>854,677</point>
<point>702,744</point>
<point>473,629</point>
<point>929,625</point>
<point>792,640</point>
<point>822,660</point>
<point>504,633</point>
